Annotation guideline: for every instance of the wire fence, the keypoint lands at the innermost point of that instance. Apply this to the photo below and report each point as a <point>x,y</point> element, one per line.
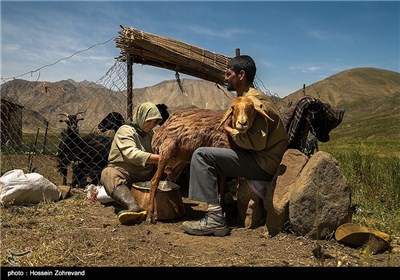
<point>37,129</point>
<point>53,128</point>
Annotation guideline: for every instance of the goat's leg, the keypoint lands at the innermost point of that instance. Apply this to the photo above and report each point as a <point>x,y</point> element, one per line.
<point>79,179</point>
<point>166,150</point>
<point>153,188</point>
<point>243,196</point>
<point>151,217</point>
<point>64,173</point>
<point>222,189</point>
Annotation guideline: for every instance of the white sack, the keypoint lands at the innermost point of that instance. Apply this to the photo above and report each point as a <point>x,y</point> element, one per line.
<point>19,188</point>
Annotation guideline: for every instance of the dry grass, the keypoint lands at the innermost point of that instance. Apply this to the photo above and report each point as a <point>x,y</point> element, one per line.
<point>77,232</point>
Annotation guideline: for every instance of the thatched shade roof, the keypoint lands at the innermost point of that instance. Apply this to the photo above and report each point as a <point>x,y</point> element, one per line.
<point>154,50</point>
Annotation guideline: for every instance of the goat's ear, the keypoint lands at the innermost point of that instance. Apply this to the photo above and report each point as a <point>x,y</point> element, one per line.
<point>226,115</point>
<point>261,111</point>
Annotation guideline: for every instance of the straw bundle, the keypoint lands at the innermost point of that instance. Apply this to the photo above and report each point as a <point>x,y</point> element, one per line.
<point>149,49</point>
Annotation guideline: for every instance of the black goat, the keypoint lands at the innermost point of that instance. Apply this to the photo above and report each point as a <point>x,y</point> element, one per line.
<point>163,111</point>
<point>91,160</point>
<point>67,148</point>
<point>88,155</point>
<point>112,121</point>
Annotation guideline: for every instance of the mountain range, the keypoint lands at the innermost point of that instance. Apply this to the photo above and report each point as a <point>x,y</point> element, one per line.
<point>369,96</point>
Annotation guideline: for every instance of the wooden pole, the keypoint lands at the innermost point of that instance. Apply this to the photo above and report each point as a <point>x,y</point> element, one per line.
<point>45,138</point>
<point>237,52</point>
<point>32,152</point>
<point>129,63</point>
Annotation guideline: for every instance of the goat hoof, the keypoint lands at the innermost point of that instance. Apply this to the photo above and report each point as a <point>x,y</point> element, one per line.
<point>151,221</point>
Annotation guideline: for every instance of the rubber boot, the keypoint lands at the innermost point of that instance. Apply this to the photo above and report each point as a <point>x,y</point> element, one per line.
<point>133,213</point>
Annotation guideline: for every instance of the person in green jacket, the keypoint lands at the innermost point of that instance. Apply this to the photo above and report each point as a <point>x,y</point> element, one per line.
<point>261,151</point>
<point>131,159</point>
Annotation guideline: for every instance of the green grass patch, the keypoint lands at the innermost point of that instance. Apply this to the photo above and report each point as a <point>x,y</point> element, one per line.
<point>369,128</point>
<point>373,172</point>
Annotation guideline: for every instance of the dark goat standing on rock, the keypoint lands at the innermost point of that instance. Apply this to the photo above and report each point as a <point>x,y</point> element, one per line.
<point>88,155</point>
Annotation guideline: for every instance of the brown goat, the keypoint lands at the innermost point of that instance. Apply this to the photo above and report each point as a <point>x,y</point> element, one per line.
<point>188,129</point>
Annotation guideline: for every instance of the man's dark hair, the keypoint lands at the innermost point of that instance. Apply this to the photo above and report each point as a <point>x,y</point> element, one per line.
<point>246,63</point>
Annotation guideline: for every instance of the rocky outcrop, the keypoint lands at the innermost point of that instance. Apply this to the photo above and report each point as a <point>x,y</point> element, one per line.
<point>311,196</point>
<point>276,201</point>
<point>320,200</point>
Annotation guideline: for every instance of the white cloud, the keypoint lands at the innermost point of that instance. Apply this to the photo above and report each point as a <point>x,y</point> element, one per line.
<point>320,35</point>
<point>313,68</point>
<point>305,68</point>
<point>9,48</point>
<point>331,36</point>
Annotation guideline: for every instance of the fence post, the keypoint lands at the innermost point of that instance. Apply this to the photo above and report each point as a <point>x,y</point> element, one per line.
<point>237,52</point>
<point>129,63</point>
<point>32,152</point>
<point>45,138</point>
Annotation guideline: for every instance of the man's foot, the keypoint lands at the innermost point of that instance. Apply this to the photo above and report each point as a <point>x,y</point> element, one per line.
<point>127,217</point>
<point>213,223</point>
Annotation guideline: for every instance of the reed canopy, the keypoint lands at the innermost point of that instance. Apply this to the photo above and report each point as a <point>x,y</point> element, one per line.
<point>149,49</point>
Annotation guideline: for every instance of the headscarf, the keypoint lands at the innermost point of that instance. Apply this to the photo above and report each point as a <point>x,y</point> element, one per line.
<point>144,112</point>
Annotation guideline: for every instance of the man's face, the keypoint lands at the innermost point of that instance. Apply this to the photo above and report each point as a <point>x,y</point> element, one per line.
<point>232,79</point>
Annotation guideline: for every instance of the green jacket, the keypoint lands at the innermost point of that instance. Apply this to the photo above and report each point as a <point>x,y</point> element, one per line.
<point>131,144</point>
<point>267,139</point>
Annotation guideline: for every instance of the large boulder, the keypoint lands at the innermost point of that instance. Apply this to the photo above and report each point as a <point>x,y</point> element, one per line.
<point>276,201</point>
<point>271,209</point>
<point>320,199</point>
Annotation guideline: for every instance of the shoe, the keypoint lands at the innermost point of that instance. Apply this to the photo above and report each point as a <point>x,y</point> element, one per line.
<point>127,217</point>
<point>213,223</point>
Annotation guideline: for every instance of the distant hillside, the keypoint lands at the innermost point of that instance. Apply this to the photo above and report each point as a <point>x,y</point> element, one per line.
<point>68,96</point>
<point>370,97</point>
<point>198,93</point>
<point>360,91</point>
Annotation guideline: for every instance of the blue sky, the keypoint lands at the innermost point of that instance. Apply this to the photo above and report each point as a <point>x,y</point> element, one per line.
<point>293,43</point>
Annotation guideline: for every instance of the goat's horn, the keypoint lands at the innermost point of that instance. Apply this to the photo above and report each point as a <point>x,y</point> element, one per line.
<point>63,114</point>
<point>80,112</point>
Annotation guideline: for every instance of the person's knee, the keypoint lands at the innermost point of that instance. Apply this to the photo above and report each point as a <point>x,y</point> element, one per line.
<point>107,179</point>
<point>105,173</point>
<point>201,151</point>
<point>199,154</point>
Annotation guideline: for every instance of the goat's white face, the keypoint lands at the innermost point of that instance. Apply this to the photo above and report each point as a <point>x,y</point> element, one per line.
<point>243,114</point>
